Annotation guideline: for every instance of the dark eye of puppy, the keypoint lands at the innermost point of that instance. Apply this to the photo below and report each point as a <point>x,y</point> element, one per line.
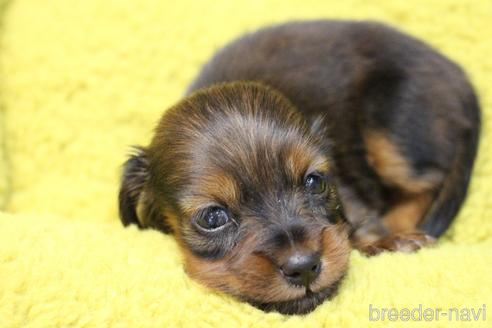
<point>212,218</point>
<point>315,183</point>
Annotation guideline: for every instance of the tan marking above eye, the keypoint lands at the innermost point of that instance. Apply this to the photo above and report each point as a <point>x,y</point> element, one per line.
<point>302,159</point>
<point>320,165</point>
<point>212,188</point>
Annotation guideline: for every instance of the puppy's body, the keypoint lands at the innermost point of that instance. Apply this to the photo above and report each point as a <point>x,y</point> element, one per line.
<point>402,120</point>
<point>329,113</point>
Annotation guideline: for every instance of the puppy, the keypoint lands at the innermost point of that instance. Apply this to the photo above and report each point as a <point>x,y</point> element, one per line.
<point>296,144</point>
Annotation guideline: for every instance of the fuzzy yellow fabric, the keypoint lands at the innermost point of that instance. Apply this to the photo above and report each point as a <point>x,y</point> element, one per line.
<point>82,80</point>
<point>4,178</point>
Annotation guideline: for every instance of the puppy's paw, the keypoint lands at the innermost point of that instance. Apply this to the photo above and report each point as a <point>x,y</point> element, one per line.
<point>401,242</point>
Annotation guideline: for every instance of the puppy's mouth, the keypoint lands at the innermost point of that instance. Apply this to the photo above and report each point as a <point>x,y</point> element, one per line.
<point>301,305</point>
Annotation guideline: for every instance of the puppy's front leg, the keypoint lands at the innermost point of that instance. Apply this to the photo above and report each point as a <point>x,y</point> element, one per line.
<point>406,242</point>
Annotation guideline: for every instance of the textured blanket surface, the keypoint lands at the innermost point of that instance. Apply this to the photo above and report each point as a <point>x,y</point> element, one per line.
<point>82,80</point>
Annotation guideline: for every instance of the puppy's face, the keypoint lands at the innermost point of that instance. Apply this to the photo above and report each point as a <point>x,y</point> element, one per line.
<point>234,172</point>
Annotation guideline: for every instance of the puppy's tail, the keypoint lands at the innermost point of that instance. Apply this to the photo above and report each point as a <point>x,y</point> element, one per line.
<point>455,186</point>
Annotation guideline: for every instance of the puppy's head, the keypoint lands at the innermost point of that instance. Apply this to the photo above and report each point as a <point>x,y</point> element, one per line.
<point>236,174</point>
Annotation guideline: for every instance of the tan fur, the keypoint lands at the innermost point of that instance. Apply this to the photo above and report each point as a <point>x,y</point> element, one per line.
<point>393,168</point>
<point>215,187</point>
<point>407,212</point>
<point>244,272</point>
<point>301,159</point>
<point>406,242</point>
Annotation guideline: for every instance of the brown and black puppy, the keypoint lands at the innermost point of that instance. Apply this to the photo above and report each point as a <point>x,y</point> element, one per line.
<point>296,143</point>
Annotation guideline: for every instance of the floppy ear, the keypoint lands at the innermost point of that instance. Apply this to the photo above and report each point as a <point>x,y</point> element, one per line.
<point>133,181</point>
<point>137,204</point>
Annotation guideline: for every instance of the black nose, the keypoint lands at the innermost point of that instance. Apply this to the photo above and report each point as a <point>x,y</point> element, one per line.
<point>301,268</point>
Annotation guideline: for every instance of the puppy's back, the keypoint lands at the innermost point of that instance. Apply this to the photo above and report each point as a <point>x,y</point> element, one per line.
<point>363,77</point>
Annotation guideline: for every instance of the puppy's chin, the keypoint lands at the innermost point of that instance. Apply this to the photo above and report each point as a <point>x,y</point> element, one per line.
<point>301,305</point>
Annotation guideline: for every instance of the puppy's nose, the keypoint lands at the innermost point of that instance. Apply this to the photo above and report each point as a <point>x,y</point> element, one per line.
<point>301,268</point>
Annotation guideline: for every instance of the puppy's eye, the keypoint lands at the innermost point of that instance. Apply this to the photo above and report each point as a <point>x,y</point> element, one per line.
<point>315,184</point>
<point>213,218</point>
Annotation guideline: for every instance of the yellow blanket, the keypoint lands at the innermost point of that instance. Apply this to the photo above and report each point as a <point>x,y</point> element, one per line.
<point>82,80</point>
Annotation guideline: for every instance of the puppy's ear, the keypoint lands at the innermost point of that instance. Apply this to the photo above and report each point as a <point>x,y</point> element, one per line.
<point>134,179</point>
<point>319,127</point>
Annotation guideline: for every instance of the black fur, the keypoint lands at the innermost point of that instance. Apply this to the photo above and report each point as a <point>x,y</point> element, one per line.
<point>350,76</point>
<point>135,176</point>
<point>451,197</point>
